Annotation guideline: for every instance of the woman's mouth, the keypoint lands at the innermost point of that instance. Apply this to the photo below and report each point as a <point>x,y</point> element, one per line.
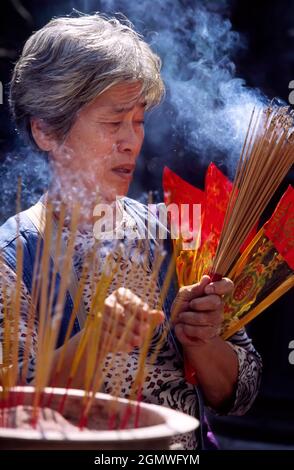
<point>124,171</point>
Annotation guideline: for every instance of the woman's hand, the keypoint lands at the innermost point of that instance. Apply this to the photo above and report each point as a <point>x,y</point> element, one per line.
<point>126,320</point>
<point>198,311</point>
<point>127,316</point>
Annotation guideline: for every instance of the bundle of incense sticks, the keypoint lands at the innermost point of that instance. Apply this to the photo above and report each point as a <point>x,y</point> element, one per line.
<point>230,216</point>
<point>266,158</point>
<point>94,342</point>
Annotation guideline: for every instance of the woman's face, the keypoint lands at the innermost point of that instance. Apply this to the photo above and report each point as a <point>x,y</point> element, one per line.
<point>102,147</point>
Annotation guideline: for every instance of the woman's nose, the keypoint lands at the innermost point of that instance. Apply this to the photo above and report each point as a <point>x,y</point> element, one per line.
<point>130,138</point>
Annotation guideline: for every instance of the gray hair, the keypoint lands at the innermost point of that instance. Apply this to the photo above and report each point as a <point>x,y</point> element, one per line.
<point>70,61</point>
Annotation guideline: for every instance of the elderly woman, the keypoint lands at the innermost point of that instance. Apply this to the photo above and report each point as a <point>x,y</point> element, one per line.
<point>79,92</point>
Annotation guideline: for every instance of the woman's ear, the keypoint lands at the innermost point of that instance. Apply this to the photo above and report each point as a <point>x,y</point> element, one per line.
<point>41,134</point>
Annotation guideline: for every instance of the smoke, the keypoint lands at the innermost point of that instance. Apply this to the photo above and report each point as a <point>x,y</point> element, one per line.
<point>33,171</point>
<point>207,107</point>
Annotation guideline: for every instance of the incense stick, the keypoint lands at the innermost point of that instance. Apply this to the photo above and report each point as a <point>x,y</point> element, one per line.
<point>267,157</point>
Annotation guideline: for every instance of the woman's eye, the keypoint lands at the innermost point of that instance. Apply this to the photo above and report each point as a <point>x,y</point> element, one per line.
<point>116,124</point>
<point>113,126</point>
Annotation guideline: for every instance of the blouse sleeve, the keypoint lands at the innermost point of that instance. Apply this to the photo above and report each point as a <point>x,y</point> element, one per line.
<point>249,373</point>
<point>27,331</point>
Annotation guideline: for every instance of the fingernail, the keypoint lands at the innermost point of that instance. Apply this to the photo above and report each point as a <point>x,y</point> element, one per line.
<point>209,289</point>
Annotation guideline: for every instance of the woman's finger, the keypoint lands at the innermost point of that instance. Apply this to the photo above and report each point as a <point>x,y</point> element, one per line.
<point>187,293</point>
<point>156,316</point>
<point>113,307</point>
<point>127,297</point>
<point>208,302</point>
<point>209,318</point>
<point>132,303</point>
<point>222,287</point>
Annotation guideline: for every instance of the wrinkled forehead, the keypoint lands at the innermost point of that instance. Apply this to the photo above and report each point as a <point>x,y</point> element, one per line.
<point>123,97</point>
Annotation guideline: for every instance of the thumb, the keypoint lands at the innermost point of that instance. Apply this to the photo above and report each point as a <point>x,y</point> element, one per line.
<point>188,293</point>
<point>156,317</point>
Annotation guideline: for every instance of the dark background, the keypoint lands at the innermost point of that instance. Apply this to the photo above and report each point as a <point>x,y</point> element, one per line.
<point>266,63</point>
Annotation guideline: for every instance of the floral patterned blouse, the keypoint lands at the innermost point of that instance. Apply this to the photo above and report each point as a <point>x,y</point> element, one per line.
<point>165,383</point>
